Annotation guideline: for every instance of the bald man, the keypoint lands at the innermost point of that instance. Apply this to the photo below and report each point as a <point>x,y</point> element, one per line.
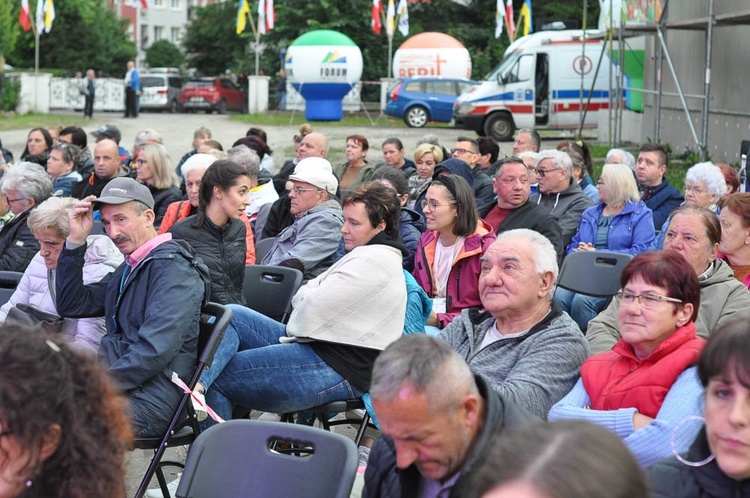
<point>106,167</point>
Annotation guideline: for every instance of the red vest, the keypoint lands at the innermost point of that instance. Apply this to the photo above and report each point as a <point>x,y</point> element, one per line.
<point>618,379</point>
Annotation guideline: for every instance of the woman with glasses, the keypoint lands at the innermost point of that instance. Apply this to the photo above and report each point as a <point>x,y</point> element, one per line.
<point>620,222</point>
<point>647,384</point>
<point>448,259</point>
<point>705,186</point>
<point>154,169</point>
<point>61,164</point>
<point>25,185</point>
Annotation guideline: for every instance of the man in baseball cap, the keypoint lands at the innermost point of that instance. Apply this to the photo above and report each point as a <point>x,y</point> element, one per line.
<point>107,131</point>
<point>310,243</point>
<point>151,303</point>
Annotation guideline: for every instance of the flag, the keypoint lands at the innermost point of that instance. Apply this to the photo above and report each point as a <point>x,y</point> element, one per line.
<point>509,20</point>
<point>525,24</point>
<point>144,4</point>
<point>390,19</point>
<point>243,9</point>
<point>377,10</point>
<point>266,16</point>
<point>49,15</point>
<point>403,18</point>
<point>136,3</point>
<point>270,15</point>
<point>24,17</point>
<point>499,18</point>
<point>262,17</point>
<point>39,21</point>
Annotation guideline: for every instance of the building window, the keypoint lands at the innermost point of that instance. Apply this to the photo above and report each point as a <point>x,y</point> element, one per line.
<point>175,35</point>
<point>158,33</point>
<point>144,36</point>
<point>158,3</point>
<point>175,4</point>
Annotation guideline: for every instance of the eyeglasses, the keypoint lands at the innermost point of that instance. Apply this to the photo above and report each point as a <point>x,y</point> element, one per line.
<point>695,190</point>
<point>462,151</point>
<point>141,161</point>
<point>16,200</point>
<point>646,301</point>
<point>543,172</point>
<point>300,190</point>
<point>432,206</point>
<point>600,183</point>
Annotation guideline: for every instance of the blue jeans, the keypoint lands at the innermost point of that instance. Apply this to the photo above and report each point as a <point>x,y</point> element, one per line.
<point>251,368</point>
<point>580,307</point>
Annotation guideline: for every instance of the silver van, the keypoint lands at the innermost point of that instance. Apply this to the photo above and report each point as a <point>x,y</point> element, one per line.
<point>161,91</point>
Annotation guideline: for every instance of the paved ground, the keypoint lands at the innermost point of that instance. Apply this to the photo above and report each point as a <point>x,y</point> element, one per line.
<point>177,132</point>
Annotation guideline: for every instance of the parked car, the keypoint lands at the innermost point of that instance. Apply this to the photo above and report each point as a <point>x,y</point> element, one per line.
<point>421,100</point>
<point>161,90</point>
<point>212,94</point>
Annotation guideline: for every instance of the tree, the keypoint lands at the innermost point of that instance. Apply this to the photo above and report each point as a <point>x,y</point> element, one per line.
<point>212,45</point>
<point>85,34</point>
<point>210,42</point>
<point>9,28</point>
<point>164,53</point>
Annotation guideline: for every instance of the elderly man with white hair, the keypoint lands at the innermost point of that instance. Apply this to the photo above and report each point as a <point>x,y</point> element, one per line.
<point>310,243</point>
<point>559,193</point>
<point>526,347</point>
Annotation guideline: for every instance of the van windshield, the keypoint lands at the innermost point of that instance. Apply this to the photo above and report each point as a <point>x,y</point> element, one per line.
<point>504,66</point>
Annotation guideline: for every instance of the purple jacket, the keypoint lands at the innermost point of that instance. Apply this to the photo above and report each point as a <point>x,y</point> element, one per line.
<point>463,281</point>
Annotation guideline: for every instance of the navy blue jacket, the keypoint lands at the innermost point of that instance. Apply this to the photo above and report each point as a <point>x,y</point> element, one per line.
<point>663,200</point>
<point>152,317</point>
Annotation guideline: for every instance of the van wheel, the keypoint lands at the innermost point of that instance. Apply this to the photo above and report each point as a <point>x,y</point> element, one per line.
<point>416,117</point>
<point>174,107</point>
<point>500,127</point>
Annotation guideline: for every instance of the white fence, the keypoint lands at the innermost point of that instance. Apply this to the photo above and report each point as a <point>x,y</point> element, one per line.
<point>64,93</point>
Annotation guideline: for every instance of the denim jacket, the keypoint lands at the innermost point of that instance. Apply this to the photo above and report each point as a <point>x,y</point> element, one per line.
<point>631,230</point>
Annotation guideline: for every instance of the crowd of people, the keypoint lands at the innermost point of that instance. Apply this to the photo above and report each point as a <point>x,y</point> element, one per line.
<point>429,290</point>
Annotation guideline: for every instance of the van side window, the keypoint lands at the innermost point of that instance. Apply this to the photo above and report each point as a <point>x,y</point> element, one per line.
<point>522,70</point>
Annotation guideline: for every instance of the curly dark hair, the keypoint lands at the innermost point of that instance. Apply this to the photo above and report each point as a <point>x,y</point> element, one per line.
<point>45,385</point>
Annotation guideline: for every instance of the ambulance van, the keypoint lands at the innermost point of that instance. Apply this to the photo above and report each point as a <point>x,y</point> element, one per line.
<point>538,85</point>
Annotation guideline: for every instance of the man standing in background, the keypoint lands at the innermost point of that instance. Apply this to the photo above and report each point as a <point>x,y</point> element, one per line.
<point>88,91</point>
<point>132,90</point>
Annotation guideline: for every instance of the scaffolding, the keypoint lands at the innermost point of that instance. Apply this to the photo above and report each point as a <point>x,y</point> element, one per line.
<point>659,29</point>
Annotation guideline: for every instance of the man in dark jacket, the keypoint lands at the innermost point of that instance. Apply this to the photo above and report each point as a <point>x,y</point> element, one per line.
<point>106,167</point>
<point>152,302</point>
<point>512,185</point>
<point>467,149</point>
<point>659,196</point>
<point>438,421</point>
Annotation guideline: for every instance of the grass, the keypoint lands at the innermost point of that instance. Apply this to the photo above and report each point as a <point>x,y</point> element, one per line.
<point>33,120</point>
<point>284,118</point>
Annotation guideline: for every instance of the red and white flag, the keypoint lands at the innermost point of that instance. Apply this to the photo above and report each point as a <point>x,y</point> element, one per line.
<point>266,16</point>
<point>377,10</point>
<point>24,17</point>
<point>509,23</point>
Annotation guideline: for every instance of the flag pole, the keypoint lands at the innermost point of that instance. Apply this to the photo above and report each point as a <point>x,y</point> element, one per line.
<point>256,33</point>
<point>390,55</point>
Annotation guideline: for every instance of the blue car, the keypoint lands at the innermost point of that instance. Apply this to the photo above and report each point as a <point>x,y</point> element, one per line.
<point>421,100</point>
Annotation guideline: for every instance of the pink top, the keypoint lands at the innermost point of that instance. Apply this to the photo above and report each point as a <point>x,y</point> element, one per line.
<point>139,254</point>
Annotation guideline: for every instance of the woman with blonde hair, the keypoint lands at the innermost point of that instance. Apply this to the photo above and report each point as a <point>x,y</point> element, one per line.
<point>426,157</point>
<point>154,169</point>
<point>620,222</point>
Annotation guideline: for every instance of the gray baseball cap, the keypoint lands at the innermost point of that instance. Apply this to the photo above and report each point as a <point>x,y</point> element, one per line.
<point>124,189</point>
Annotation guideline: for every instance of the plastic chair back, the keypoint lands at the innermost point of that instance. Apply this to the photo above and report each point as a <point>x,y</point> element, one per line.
<point>8,283</point>
<point>239,458</point>
<point>594,273</point>
<point>262,247</point>
<point>269,290</point>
